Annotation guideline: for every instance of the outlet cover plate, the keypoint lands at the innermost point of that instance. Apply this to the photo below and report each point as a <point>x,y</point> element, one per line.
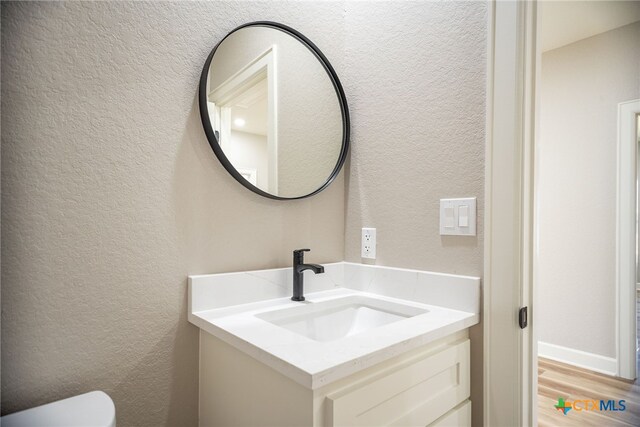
<point>368,243</point>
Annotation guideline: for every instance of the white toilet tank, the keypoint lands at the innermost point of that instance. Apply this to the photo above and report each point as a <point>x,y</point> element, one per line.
<point>93,409</point>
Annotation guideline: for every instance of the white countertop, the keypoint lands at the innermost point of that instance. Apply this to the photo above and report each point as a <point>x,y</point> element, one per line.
<point>314,364</point>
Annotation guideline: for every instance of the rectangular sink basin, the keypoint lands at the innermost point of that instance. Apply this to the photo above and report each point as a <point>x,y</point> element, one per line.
<point>341,317</point>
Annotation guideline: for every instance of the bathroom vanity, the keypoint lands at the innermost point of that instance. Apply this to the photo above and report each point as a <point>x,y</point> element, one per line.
<point>369,346</point>
<point>364,345</point>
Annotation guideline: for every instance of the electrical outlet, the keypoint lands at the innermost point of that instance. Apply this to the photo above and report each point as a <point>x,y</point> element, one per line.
<point>369,243</point>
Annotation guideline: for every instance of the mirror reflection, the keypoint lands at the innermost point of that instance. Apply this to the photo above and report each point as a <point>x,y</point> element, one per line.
<point>275,112</point>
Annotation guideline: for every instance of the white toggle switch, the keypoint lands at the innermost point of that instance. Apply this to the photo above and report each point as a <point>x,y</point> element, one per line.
<point>449,217</point>
<point>463,216</point>
<point>458,217</point>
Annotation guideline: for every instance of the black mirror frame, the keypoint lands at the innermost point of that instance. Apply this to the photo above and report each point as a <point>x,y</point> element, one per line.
<point>213,140</point>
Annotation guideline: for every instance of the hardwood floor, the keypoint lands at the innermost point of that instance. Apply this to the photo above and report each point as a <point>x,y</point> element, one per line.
<point>557,380</point>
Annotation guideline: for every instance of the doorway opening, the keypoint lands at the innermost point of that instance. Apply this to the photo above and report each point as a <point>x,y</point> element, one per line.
<point>585,263</point>
<point>584,316</point>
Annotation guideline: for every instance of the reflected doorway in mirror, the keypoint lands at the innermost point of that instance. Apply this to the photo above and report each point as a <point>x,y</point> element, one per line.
<point>243,112</point>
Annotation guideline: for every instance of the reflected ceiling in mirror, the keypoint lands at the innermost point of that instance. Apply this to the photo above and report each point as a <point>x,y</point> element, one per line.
<point>274,111</point>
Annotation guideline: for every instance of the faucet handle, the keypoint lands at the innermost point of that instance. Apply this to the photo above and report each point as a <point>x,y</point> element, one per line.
<point>298,255</point>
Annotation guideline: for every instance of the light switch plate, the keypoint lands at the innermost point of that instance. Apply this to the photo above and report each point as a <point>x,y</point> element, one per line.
<point>456,226</point>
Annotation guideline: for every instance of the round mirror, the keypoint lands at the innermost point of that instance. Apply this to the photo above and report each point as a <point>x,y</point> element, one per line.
<point>274,111</point>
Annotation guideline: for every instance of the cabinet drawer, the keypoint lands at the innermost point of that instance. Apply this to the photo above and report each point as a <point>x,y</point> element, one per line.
<point>458,417</point>
<point>416,394</point>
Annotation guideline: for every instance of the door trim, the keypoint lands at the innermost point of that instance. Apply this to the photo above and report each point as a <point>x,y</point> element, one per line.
<point>626,239</point>
<point>510,374</point>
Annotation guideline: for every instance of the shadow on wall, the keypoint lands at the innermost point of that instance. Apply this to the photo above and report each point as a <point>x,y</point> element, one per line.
<point>459,241</point>
<point>207,229</point>
<point>223,227</point>
<point>174,358</point>
<point>180,367</point>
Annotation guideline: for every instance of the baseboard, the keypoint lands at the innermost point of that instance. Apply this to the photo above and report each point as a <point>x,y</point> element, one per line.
<point>579,358</point>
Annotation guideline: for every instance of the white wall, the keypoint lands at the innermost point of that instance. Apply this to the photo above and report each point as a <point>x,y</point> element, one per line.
<point>581,86</point>
<point>249,151</point>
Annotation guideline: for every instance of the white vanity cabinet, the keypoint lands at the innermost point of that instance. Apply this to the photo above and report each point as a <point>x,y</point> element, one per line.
<point>392,349</point>
<point>426,386</point>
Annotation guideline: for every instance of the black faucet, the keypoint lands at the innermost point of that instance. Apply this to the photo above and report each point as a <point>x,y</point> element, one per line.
<point>298,268</point>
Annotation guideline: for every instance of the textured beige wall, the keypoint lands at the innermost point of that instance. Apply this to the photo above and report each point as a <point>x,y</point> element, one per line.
<point>111,196</point>
<point>581,86</point>
<point>416,80</point>
<point>416,87</point>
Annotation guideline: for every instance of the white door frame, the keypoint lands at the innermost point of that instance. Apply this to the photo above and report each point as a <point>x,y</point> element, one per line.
<point>264,66</point>
<point>510,374</point>
<point>626,239</point>
<point>510,368</point>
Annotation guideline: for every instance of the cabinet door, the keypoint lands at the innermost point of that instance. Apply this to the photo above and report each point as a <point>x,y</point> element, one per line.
<point>413,395</point>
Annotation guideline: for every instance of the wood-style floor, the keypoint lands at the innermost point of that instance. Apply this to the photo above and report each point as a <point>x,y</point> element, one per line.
<point>557,379</point>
